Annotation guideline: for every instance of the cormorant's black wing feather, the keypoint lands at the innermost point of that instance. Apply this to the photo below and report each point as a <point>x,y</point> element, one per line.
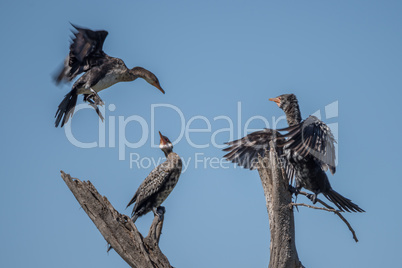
<point>87,42</point>
<point>85,52</point>
<point>312,137</point>
<point>245,151</point>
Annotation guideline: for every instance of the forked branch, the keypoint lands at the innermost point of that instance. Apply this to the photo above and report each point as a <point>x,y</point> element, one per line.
<point>118,229</point>
<point>329,209</point>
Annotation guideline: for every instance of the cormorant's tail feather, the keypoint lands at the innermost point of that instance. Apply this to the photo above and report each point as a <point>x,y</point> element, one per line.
<point>343,203</point>
<point>134,217</point>
<point>66,108</point>
<point>132,200</point>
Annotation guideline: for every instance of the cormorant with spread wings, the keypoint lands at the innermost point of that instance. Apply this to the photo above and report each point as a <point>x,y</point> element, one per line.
<point>306,151</point>
<point>100,72</point>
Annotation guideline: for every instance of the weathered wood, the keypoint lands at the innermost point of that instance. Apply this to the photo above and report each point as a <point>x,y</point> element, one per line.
<point>118,229</point>
<point>283,253</point>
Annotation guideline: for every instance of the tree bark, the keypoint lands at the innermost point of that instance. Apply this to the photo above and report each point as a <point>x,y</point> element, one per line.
<point>283,253</point>
<point>118,229</point>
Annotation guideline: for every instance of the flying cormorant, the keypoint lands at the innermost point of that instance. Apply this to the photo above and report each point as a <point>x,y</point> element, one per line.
<point>100,72</point>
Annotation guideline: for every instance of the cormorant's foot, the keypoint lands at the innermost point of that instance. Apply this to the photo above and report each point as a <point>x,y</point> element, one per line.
<point>89,97</point>
<point>293,190</point>
<point>98,101</point>
<point>95,97</point>
<point>312,197</point>
<point>159,211</point>
<point>99,113</point>
<point>93,105</point>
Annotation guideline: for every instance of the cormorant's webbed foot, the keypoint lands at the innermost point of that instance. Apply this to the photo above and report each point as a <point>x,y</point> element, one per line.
<point>94,105</point>
<point>312,197</point>
<point>95,97</point>
<point>98,100</point>
<point>293,190</point>
<point>160,211</point>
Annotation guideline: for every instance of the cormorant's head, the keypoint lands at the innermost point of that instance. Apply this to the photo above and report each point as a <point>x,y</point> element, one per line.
<point>284,101</point>
<point>153,80</point>
<point>288,103</point>
<point>165,144</point>
<point>147,76</point>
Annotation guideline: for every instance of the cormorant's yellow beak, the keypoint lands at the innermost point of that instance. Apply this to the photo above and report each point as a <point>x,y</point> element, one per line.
<point>277,100</point>
<point>163,141</point>
<point>158,87</point>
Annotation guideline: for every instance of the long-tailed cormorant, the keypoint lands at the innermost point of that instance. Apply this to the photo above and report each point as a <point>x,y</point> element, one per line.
<point>306,151</point>
<point>159,183</point>
<point>100,72</point>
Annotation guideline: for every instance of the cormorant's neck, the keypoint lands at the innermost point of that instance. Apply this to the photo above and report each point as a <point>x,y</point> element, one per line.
<point>129,76</point>
<point>292,112</point>
<point>167,151</point>
<point>134,73</point>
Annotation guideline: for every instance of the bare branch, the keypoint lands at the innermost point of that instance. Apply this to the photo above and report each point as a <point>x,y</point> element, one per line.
<point>331,209</point>
<point>118,229</point>
<point>314,207</point>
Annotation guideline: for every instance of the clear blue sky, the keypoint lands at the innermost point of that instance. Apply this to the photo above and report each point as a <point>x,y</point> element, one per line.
<point>208,56</point>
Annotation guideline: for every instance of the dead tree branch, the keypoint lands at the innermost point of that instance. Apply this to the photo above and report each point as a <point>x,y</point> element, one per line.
<point>310,206</point>
<point>337,212</point>
<point>283,253</point>
<point>118,229</point>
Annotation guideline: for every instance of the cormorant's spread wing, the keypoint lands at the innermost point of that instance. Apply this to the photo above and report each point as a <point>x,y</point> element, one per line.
<point>312,137</point>
<point>85,52</point>
<point>152,184</point>
<point>87,43</point>
<point>245,151</point>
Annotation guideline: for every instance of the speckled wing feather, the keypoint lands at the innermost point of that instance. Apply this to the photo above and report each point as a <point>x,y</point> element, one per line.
<point>312,137</point>
<point>152,184</point>
<point>85,52</point>
<point>245,151</point>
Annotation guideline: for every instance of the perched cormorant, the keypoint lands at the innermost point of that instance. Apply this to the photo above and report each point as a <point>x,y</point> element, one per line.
<point>307,151</point>
<point>159,183</point>
<point>101,71</point>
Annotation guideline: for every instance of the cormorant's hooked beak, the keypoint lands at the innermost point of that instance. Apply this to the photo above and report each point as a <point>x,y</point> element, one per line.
<point>163,141</point>
<point>277,100</point>
<point>158,87</point>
